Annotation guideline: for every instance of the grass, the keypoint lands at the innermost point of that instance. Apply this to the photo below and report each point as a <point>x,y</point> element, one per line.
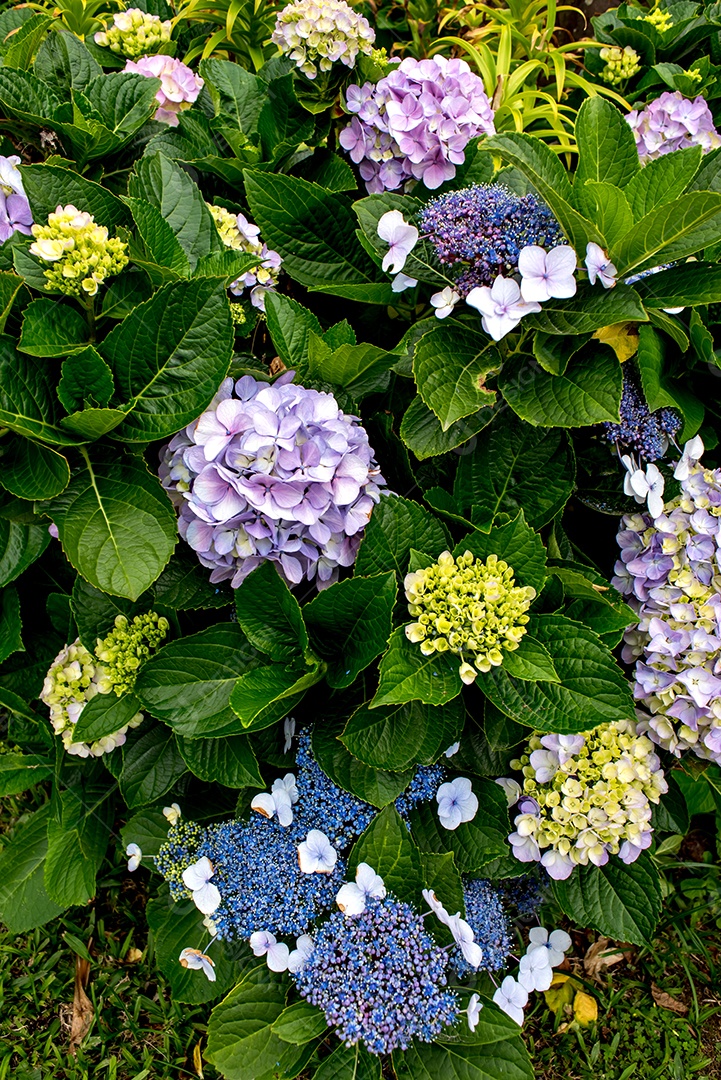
<point>138,1033</point>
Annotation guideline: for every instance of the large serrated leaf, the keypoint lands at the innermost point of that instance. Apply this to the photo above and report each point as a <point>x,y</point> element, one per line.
<point>622,901</point>
<point>450,364</point>
<point>270,615</point>
<point>606,145</point>
<point>24,902</point>
<point>396,526</point>
<point>474,843</point>
<point>588,393</point>
<point>379,787</point>
<point>407,675</point>
<point>397,737</point>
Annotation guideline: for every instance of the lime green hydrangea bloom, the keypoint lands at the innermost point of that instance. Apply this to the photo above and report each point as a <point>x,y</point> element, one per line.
<point>135,33</point>
<point>662,20</point>
<point>621,64</point>
<point>81,253</point>
<point>76,676</point>
<point>468,607</point>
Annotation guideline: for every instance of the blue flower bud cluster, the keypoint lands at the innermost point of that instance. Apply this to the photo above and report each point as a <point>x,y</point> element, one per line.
<point>178,852</point>
<point>524,893</point>
<point>645,432</point>
<point>486,915</point>
<point>422,788</point>
<point>325,806</point>
<point>379,978</point>
<point>480,230</point>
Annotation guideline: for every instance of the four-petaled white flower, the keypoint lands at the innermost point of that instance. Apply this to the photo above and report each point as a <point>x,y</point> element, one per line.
<point>473,1012</point>
<point>452,750</point>
<point>301,952</point>
<point>286,785</point>
<point>135,856</point>
<point>600,267</point>
<point>198,961</point>
<point>289,732</point>
<point>465,940</point>
<point>279,800</point>
<point>196,877</point>
<point>316,854</point>
<point>172,813</point>
<point>512,789</point>
<point>535,971</point>
<point>402,238</point>
<point>456,803</point>
<point>276,953</point>
<point>445,301</point>
<point>401,282</point>
<point>692,451</point>
<point>501,306</point>
<point>512,998</point>
<point>353,896</point>
<point>648,487</point>
<point>556,944</point>
<point>546,274</point>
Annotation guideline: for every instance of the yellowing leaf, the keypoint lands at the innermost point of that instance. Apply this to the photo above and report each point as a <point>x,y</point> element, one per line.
<point>585,1008</point>
<point>561,992</point>
<point>622,337</point>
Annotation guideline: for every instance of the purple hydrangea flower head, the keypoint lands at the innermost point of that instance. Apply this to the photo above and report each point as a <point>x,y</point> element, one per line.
<point>672,122</point>
<point>486,915</point>
<point>179,86</point>
<point>478,232</point>
<point>415,123</point>
<point>15,212</point>
<point>238,233</point>
<point>669,573</point>
<point>272,473</point>
<point>640,430</point>
<point>379,977</point>
<point>318,33</point>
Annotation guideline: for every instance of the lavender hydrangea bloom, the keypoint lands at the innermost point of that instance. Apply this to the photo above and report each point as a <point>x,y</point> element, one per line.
<point>415,123</point>
<point>640,430</point>
<point>272,472</point>
<point>317,33</point>
<point>15,212</point>
<point>479,232</point>
<point>669,573</point>
<point>672,122</point>
<point>179,86</point>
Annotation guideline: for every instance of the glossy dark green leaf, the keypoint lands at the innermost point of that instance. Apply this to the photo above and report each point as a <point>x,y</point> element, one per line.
<point>104,715</point>
<point>474,843</point>
<point>450,364</point>
<point>387,846</point>
<point>397,525</point>
<point>52,329</point>
<point>151,765</point>
<point>229,761</point>
<point>33,471</point>
<point>20,546</point>
<point>350,624</point>
<point>621,901</point>
<point>77,841</point>
<point>407,675</point>
<point>270,615</point>
<point>379,787</point>
<point>24,901</point>
<point>398,736</point>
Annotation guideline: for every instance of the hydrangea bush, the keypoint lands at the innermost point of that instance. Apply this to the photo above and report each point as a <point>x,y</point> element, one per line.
<point>327,398</point>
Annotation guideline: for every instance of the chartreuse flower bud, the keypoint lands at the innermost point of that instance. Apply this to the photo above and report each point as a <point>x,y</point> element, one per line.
<point>135,33</point>
<point>127,646</point>
<point>621,64</point>
<point>468,607</point>
<point>662,20</point>
<point>81,252</point>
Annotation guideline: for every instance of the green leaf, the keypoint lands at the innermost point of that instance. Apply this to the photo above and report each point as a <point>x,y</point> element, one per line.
<point>256,691</point>
<point>516,467</point>
<point>270,615</point>
<point>184,585</point>
<point>174,925</point>
<point>18,772</point>
<point>65,62</point>
<point>241,1042</point>
<point>378,787</point>
<point>621,901</point>
<point>554,352</point>
<point>592,690</point>
<point>589,310</point>
<point>290,326</point>
<point>300,1023</point>
<point>52,329</point>
<point>400,736</point>
<point>441,876</point>
<point>530,661</point>
<point>349,1063</point>
<point>387,846</point>
<point>168,187</point>
<point>450,364</point>
<point>116,525</point>
<point>587,394</point>
<point>407,675</point>
<point>151,765</point>
<point>688,285</point>
<point>396,526</point>
<point>26,98</point>
<point>33,471</point>
<point>229,761</point>
<point>312,229</point>
<point>160,254</point>
<point>25,42</point>
<point>606,145</point>
<point>517,543</point>
<point>91,424</point>
<point>607,206</point>
<point>358,369</point>
<point>95,612</point>
<point>77,842</point>
<point>671,814</point>
<point>238,96</point>
<point>662,180</point>
<point>474,843</point>
<point>350,624</point>
<point>10,285</point>
<point>104,715</point>
<point>188,683</point>
<point>49,186</point>
<point>28,404</point>
<point>24,902</point>
<point>148,829</point>
<point>85,379</point>
<point>422,433</point>
<point>670,233</point>
<point>20,546</point>
<point>494,1050</point>
<point>169,357</point>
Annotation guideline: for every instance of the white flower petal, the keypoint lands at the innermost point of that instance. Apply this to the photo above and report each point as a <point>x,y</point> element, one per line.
<point>196,875</point>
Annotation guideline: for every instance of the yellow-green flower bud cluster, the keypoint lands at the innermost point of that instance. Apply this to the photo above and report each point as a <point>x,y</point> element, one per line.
<point>74,678</point>
<point>586,797</point>
<point>468,607</point>
<point>81,253</point>
<point>662,20</point>
<point>128,645</point>
<point>621,64</point>
<point>135,33</point>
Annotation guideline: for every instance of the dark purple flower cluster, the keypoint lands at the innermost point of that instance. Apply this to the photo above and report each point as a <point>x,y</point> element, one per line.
<point>272,473</point>
<point>640,430</point>
<point>480,231</point>
<point>379,977</point>
<point>486,915</point>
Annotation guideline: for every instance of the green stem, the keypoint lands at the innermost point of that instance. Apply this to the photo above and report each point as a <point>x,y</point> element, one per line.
<point>90,316</point>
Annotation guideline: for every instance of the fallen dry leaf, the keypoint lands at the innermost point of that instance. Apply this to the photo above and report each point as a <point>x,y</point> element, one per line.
<point>133,955</point>
<point>276,366</point>
<point>600,957</point>
<point>198,1060</point>
<point>666,1001</point>
<point>82,1005</point>
<point>585,1008</point>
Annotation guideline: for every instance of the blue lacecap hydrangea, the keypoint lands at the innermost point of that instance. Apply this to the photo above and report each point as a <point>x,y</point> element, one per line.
<point>422,788</point>
<point>525,894</point>
<point>645,432</point>
<point>325,806</point>
<point>486,915</point>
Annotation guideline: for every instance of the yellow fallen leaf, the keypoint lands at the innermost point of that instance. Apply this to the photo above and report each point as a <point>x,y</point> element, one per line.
<point>622,337</point>
<point>198,1061</point>
<point>585,1008</point>
<point>561,992</point>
